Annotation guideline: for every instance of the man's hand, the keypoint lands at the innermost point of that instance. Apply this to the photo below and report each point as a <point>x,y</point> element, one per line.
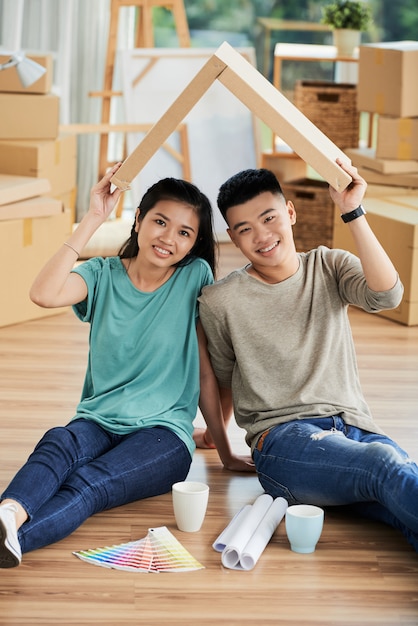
<point>352,196</point>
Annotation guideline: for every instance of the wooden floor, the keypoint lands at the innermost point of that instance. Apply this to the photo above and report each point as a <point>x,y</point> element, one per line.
<point>361,573</point>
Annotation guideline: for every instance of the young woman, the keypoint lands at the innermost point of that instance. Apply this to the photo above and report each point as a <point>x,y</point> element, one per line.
<point>132,435</point>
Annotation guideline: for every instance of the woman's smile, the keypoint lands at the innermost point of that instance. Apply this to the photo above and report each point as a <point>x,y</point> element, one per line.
<point>162,251</point>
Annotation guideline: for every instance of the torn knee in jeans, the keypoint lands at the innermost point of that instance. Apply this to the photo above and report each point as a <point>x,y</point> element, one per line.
<point>326,433</point>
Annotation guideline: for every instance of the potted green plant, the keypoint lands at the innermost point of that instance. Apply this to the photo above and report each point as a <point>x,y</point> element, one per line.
<point>347,18</point>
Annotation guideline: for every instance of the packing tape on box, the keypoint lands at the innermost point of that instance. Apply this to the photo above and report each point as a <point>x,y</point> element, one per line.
<point>405,127</point>
<point>379,106</point>
<point>379,54</point>
<point>404,151</point>
<point>27,232</point>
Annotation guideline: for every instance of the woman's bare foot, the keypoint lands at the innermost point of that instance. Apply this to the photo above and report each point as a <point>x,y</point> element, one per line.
<point>202,439</point>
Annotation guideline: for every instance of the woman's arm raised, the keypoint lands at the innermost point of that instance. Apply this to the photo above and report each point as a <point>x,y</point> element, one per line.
<point>55,285</point>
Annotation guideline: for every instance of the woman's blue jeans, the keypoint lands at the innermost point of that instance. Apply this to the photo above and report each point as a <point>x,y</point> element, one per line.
<point>326,462</point>
<point>81,469</point>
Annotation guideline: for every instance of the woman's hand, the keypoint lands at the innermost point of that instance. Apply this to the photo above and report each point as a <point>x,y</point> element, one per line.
<point>240,464</point>
<point>56,285</point>
<point>102,199</point>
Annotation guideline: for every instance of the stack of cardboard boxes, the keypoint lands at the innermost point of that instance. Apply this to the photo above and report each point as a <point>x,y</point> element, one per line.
<point>37,187</point>
<point>388,87</point>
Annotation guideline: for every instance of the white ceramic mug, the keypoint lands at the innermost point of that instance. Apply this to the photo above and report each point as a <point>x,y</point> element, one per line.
<point>304,523</point>
<point>190,501</point>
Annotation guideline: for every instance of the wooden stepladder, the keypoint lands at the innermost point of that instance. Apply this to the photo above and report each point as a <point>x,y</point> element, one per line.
<point>144,38</point>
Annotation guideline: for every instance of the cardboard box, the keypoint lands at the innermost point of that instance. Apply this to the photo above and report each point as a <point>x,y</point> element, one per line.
<point>366,157</point>
<point>9,79</point>
<point>40,206</point>
<point>33,242</point>
<point>397,138</point>
<point>69,201</point>
<point>396,180</point>
<point>16,188</point>
<point>262,98</point>
<point>54,159</point>
<point>29,116</point>
<point>387,80</point>
<point>396,227</point>
<point>409,201</point>
<point>382,191</point>
<point>285,165</point>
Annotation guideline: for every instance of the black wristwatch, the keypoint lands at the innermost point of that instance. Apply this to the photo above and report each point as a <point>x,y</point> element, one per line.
<point>349,217</point>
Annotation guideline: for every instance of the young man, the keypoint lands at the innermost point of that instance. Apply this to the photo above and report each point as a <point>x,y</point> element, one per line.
<point>279,338</point>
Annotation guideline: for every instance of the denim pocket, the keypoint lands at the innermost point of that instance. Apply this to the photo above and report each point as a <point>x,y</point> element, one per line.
<point>271,486</point>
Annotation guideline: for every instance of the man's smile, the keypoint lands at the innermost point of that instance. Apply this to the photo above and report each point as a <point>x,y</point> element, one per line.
<point>269,248</point>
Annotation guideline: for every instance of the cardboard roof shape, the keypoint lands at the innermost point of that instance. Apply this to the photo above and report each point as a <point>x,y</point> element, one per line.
<point>262,98</point>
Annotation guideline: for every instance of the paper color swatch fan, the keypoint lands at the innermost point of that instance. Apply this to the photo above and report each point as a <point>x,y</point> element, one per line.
<point>159,551</point>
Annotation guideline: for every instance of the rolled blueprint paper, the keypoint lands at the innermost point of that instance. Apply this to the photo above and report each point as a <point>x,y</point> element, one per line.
<point>229,532</point>
<point>263,534</point>
<point>232,552</point>
<point>246,536</point>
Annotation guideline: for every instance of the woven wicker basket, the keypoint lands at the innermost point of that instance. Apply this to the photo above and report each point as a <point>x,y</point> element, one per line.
<point>314,212</point>
<point>332,107</point>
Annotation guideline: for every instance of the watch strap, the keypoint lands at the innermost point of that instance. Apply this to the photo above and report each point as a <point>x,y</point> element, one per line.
<point>352,215</point>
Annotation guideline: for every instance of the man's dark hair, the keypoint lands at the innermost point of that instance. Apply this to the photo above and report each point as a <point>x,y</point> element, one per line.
<point>245,186</point>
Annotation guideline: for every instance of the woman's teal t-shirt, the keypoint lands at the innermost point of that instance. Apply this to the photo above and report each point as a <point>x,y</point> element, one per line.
<point>143,364</point>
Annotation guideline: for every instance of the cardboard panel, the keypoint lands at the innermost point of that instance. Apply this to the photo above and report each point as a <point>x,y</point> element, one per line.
<point>15,188</point>
<point>366,157</point>
<point>9,79</point>
<point>387,78</point>
<point>262,98</point>
<point>167,124</point>
<point>294,128</point>
<point>33,241</point>
<point>381,191</point>
<point>218,126</point>
<point>29,116</point>
<point>406,313</point>
<point>40,206</point>
<point>54,159</point>
<point>397,180</point>
<point>285,165</point>
<point>69,201</point>
<point>397,137</point>
<point>396,227</point>
<point>410,201</point>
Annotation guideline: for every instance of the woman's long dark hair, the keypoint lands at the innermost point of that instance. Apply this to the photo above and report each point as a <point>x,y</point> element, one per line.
<point>182,191</point>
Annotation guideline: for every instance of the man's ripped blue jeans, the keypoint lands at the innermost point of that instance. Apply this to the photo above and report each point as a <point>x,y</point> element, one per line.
<point>326,462</point>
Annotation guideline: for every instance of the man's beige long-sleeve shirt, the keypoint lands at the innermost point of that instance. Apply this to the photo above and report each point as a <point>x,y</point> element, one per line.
<point>286,349</point>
